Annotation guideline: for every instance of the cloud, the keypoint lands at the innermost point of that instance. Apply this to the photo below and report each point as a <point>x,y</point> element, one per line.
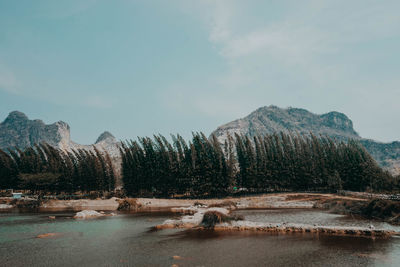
<point>320,55</point>
<point>304,39</point>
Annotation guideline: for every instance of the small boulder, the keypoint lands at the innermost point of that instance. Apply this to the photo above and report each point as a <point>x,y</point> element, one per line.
<point>48,235</point>
<point>84,214</point>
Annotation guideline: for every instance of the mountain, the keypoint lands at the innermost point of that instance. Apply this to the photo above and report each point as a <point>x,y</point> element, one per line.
<point>272,119</point>
<point>17,130</point>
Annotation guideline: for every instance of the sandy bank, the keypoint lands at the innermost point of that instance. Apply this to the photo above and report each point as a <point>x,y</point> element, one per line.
<point>195,221</point>
<point>81,204</point>
<point>266,201</point>
<point>303,228</point>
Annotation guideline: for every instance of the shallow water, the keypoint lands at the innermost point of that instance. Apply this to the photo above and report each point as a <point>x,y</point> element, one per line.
<point>126,240</point>
<point>312,217</point>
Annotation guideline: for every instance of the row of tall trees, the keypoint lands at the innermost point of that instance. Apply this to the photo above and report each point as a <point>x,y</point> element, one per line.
<point>158,167</point>
<point>292,162</point>
<point>278,162</point>
<point>45,168</point>
<point>202,167</point>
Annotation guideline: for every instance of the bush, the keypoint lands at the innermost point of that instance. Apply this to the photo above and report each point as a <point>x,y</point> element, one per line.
<point>382,209</point>
<point>211,218</point>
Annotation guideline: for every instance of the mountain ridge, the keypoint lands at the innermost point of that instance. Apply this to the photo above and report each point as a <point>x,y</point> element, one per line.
<point>272,119</point>
<point>17,130</point>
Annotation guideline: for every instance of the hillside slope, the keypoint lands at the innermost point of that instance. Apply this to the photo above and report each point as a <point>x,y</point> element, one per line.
<point>272,119</point>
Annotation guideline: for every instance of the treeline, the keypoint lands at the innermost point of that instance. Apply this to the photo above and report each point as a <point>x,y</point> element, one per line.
<point>292,162</point>
<point>201,167</point>
<point>45,168</point>
<point>278,162</point>
<point>159,168</point>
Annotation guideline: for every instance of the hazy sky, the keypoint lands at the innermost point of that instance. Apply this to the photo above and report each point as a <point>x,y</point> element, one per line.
<point>141,67</point>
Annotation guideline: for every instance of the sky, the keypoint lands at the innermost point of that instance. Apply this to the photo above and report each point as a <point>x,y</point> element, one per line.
<point>138,68</point>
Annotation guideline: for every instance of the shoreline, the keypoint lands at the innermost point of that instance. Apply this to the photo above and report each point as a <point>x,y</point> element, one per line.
<point>264,201</point>
<point>192,211</point>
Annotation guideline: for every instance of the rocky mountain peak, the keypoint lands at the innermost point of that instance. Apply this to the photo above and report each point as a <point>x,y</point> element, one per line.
<point>272,119</point>
<point>337,120</point>
<point>18,130</point>
<point>16,116</point>
<point>105,136</point>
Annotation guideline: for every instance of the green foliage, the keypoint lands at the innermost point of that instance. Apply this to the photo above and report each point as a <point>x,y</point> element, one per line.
<point>278,162</point>
<point>159,168</point>
<point>39,181</point>
<point>202,167</point>
<point>46,168</point>
<point>292,162</point>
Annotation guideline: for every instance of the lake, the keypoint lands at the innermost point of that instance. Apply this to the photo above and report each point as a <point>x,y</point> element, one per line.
<point>127,240</point>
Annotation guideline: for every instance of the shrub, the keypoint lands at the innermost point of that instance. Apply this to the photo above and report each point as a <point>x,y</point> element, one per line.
<point>211,218</point>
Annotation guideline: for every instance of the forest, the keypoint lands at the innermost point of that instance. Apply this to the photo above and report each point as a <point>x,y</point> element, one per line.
<point>270,163</point>
<point>43,168</point>
<point>202,167</point>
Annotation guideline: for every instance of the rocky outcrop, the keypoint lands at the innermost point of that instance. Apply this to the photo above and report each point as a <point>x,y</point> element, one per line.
<point>18,131</point>
<point>84,214</point>
<point>106,137</point>
<point>272,119</point>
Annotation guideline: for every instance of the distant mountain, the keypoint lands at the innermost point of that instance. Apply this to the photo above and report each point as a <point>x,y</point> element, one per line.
<point>272,119</point>
<point>17,130</point>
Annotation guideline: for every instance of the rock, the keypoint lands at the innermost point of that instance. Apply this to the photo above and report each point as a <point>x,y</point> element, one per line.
<point>87,214</point>
<point>106,137</point>
<point>190,221</point>
<point>5,206</point>
<point>17,130</point>
<point>48,235</point>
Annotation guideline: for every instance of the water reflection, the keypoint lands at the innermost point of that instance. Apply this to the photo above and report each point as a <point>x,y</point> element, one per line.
<point>125,240</point>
